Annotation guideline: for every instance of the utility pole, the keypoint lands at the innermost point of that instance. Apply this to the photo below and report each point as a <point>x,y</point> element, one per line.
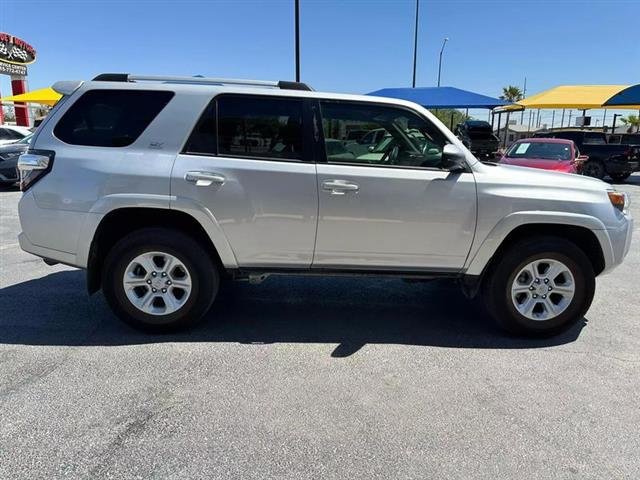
<point>297,21</point>
<point>524,95</point>
<point>570,113</point>
<point>444,42</point>
<point>553,118</point>
<point>562,120</point>
<point>613,127</point>
<point>415,45</point>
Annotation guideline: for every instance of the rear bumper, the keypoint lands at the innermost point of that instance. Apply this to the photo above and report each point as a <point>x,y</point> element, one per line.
<point>48,253</point>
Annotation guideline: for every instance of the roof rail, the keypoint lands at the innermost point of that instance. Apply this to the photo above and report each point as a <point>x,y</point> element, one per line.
<point>127,77</point>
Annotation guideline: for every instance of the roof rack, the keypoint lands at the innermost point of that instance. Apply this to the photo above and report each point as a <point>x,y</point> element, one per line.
<point>127,77</point>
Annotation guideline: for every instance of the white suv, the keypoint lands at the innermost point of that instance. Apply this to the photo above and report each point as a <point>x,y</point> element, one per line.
<point>161,187</point>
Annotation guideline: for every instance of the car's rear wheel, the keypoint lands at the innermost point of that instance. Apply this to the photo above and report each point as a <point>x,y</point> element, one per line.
<point>620,177</point>
<point>159,279</point>
<point>540,286</point>
<point>593,168</point>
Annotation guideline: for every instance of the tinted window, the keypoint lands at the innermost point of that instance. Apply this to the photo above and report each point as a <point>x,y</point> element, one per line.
<point>402,138</point>
<point>203,139</point>
<point>110,118</point>
<point>260,127</point>
<point>14,135</point>
<point>594,139</point>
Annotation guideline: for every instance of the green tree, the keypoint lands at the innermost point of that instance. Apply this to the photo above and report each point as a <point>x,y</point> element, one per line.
<point>444,115</point>
<point>511,94</point>
<point>632,121</point>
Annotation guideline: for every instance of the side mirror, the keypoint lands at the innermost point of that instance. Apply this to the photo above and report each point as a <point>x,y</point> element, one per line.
<point>582,158</point>
<point>453,159</point>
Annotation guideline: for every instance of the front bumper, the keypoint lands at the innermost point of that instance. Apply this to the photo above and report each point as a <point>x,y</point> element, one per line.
<point>620,241</point>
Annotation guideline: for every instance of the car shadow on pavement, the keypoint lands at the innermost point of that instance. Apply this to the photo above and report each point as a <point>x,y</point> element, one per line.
<point>351,312</point>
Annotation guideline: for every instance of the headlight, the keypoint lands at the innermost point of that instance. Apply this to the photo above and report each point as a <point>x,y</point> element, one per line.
<point>620,200</point>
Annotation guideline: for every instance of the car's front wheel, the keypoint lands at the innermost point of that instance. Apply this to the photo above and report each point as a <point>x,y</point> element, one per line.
<point>159,279</point>
<point>540,286</point>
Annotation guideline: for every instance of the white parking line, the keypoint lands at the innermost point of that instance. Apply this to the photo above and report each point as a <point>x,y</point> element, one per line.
<point>9,245</point>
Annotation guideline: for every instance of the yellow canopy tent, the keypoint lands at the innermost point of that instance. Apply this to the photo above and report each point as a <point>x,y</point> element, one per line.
<point>579,97</point>
<point>46,96</point>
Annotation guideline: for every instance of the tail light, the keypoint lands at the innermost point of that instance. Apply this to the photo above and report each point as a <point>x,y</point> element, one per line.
<point>34,165</point>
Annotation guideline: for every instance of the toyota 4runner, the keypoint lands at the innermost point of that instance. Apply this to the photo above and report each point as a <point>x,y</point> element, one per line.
<point>162,187</point>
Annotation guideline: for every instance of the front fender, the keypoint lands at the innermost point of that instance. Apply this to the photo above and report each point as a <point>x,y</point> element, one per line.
<point>484,249</point>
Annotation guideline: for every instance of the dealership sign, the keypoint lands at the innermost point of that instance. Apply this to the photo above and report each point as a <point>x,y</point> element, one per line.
<point>15,55</point>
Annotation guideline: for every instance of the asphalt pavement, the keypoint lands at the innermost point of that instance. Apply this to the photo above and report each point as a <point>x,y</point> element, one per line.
<point>300,377</point>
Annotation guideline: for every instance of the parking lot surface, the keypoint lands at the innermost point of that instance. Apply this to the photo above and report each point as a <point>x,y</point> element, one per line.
<point>312,378</point>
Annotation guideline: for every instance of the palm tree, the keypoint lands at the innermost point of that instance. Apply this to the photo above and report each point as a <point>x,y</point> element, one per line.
<point>632,121</point>
<point>511,94</point>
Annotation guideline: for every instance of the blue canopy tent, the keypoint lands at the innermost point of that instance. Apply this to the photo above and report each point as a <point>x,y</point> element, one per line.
<point>444,97</point>
<point>629,97</point>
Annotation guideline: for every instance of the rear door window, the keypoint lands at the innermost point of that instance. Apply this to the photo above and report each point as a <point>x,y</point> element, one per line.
<point>110,118</point>
<point>263,127</point>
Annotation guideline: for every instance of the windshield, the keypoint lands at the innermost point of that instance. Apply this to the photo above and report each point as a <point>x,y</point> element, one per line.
<point>540,150</point>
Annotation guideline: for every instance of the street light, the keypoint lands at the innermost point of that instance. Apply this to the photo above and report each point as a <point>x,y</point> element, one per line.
<point>415,45</point>
<point>297,34</point>
<point>444,42</point>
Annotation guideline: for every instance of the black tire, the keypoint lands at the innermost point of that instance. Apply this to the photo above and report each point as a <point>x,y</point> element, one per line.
<point>620,177</point>
<point>594,168</point>
<point>497,285</point>
<point>200,268</point>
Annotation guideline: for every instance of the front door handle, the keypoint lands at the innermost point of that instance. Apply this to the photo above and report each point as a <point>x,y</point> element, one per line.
<point>204,179</point>
<point>339,187</point>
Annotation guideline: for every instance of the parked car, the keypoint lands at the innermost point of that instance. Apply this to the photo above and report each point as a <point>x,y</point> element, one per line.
<point>555,154</point>
<point>336,150</point>
<point>616,161</point>
<point>9,155</point>
<point>163,195</point>
<point>355,135</point>
<point>11,134</point>
<point>367,142</point>
<point>478,137</point>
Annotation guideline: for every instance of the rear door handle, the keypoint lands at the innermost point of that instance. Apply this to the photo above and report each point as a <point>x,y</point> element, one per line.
<point>339,187</point>
<point>204,179</point>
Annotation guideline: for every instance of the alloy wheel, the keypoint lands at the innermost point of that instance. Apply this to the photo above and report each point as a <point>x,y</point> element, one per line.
<point>543,289</point>
<point>157,283</point>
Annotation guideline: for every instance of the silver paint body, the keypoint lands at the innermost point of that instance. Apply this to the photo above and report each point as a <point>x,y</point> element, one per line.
<point>302,215</point>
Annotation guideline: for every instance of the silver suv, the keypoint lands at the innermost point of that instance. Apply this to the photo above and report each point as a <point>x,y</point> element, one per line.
<point>163,187</point>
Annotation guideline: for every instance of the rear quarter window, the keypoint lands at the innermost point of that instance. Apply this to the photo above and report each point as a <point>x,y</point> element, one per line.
<point>110,118</point>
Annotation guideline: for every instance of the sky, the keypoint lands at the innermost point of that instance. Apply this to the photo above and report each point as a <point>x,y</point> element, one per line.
<point>352,46</point>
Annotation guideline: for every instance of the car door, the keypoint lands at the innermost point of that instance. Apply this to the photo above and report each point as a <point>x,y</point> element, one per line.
<point>248,165</point>
<point>393,208</point>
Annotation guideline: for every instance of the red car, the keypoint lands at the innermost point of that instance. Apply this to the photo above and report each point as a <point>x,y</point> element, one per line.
<point>555,154</point>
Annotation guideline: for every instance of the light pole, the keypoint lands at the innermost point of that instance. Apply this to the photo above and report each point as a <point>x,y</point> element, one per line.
<point>415,45</point>
<point>444,42</point>
<point>297,22</point>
